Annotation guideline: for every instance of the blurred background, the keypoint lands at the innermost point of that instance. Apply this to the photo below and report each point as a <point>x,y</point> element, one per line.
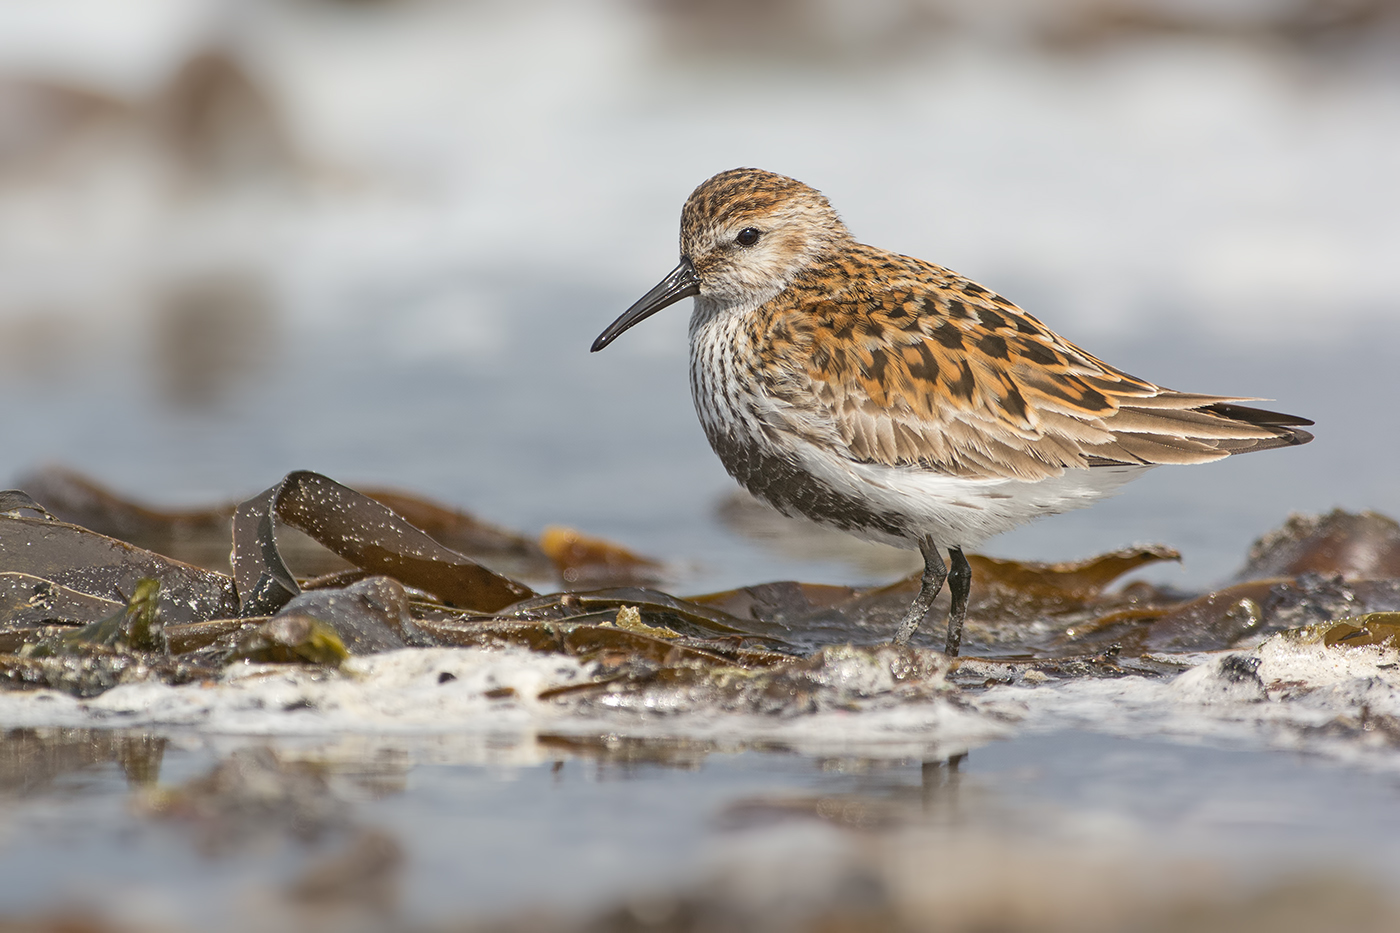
<point>375,239</point>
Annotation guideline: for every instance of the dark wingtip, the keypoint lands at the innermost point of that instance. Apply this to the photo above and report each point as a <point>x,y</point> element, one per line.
<point>1286,426</point>
<point>1298,438</point>
<point>1259,416</point>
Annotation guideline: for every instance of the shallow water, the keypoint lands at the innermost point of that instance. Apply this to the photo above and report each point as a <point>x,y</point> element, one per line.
<point>549,826</point>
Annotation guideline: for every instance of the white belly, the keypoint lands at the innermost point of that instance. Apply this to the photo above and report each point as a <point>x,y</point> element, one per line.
<point>955,511</point>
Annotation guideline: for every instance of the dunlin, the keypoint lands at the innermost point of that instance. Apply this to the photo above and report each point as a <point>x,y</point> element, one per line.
<point>896,400</point>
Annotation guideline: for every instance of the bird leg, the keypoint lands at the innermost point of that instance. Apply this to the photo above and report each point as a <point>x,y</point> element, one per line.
<point>934,575</point>
<point>959,585</point>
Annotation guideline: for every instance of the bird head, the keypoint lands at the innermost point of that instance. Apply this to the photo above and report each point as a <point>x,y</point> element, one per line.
<point>745,234</point>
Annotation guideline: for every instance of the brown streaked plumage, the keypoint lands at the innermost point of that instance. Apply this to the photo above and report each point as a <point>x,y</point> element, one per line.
<point>897,400</point>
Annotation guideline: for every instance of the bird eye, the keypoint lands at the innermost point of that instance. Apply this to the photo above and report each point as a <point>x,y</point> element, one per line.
<point>748,236</point>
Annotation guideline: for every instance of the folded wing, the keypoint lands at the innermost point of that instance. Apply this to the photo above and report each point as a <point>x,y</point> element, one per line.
<point>938,372</point>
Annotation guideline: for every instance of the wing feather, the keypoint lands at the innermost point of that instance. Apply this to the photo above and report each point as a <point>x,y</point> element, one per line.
<point>934,370</point>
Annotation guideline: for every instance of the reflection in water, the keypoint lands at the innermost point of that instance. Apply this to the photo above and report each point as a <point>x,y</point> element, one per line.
<point>32,760</point>
<point>879,797</point>
<point>940,786</point>
<point>362,874</point>
<point>253,793</point>
<point>295,832</point>
<point>213,334</point>
<point>260,796</point>
<point>622,756</point>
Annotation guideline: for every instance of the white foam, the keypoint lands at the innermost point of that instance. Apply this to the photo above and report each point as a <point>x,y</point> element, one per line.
<point>398,691</point>
<point>1329,700</point>
<point>489,691</point>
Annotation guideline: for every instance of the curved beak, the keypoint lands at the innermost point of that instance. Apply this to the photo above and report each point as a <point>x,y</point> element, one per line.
<point>680,283</point>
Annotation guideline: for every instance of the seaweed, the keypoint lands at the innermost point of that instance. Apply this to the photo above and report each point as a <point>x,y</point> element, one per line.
<point>591,562</point>
<point>82,611</point>
<point>83,561</point>
<point>368,534</point>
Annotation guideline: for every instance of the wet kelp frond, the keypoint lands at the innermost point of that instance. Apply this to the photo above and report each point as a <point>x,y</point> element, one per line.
<point>82,611</point>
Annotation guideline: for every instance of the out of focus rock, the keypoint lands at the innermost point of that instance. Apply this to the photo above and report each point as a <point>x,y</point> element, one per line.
<point>1352,545</point>
<point>213,333</point>
<point>326,626</point>
<point>293,639</point>
<point>797,30</point>
<point>1246,612</point>
<point>40,119</point>
<point>826,32</point>
<point>78,499</point>
<point>220,127</point>
<point>364,874</point>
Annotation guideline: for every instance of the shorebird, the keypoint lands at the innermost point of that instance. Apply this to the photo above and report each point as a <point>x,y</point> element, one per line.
<point>899,401</point>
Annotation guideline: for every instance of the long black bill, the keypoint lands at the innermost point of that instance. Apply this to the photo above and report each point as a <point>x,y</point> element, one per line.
<point>680,283</point>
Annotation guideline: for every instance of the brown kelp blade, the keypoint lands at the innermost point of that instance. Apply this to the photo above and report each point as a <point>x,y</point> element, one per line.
<point>586,562</point>
<point>196,536</point>
<point>1080,580</point>
<point>200,536</point>
<point>89,563</point>
<point>364,532</point>
<point>505,550</point>
<point>1016,605</point>
<point>408,589</point>
<point>1373,628</point>
<point>27,600</point>
<point>660,609</point>
<point>17,500</point>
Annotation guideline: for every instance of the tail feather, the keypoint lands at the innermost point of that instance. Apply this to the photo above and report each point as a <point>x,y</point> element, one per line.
<point>1181,428</point>
<point>1286,426</point>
